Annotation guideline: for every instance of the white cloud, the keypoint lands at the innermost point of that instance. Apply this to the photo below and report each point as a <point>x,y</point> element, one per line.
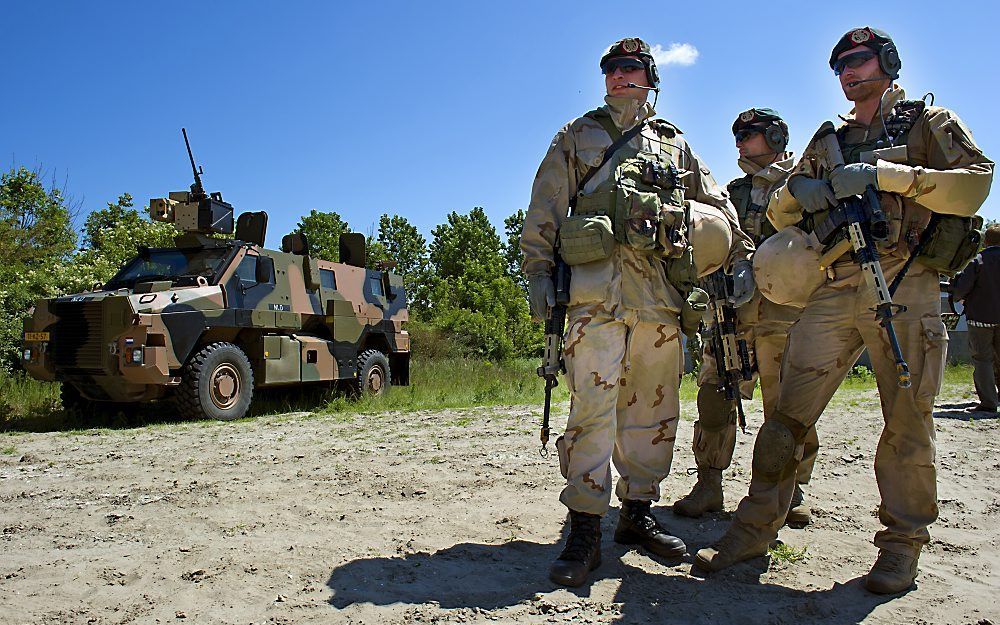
<point>676,54</point>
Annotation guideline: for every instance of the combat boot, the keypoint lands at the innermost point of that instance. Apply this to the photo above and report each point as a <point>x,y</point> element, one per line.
<point>736,545</point>
<point>799,515</point>
<point>706,496</point>
<point>582,553</point>
<point>638,526</point>
<point>892,573</point>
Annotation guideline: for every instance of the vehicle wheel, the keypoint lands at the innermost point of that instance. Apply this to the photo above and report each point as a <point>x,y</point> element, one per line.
<point>373,373</point>
<point>216,383</point>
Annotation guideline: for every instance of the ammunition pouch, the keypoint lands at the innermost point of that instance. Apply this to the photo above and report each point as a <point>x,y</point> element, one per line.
<point>952,242</point>
<point>586,239</point>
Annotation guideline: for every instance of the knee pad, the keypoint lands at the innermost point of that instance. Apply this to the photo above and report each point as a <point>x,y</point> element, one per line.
<point>715,412</point>
<point>774,451</point>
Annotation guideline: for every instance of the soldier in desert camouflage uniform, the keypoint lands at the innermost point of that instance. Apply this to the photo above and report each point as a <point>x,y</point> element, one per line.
<point>930,167</point>
<point>761,138</point>
<point>623,340</point>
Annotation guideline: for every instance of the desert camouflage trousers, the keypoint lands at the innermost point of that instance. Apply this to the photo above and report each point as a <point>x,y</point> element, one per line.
<point>623,375</point>
<point>715,434</point>
<point>823,345</point>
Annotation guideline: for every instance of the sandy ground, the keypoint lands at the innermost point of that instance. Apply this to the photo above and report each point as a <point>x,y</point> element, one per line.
<point>446,517</point>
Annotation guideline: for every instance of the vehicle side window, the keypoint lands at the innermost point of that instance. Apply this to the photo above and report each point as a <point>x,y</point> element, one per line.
<point>376,284</point>
<point>247,270</point>
<point>327,279</point>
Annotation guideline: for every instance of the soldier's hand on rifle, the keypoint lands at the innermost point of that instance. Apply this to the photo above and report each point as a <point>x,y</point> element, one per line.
<point>853,179</point>
<point>814,195</point>
<point>541,295</point>
<point>743,283</point>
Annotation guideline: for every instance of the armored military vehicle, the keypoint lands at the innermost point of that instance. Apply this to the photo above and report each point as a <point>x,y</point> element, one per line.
<point>206,322</point>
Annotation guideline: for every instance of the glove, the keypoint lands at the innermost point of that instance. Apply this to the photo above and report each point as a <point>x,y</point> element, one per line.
<point>743,284</point>
<point>853,179</point>
<point>541,295</point>
<point>814,195</point>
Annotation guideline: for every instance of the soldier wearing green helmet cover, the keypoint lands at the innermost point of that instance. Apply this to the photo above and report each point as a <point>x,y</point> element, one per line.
<point>930,178</point>
<point>762,140</point>
<point>621,224</point>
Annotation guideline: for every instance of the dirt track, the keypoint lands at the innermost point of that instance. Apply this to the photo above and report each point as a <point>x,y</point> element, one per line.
<point>432,517</point>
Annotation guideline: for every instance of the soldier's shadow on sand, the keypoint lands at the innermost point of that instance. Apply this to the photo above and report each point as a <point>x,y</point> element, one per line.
<point>959,412</point>
<point>491,577</point>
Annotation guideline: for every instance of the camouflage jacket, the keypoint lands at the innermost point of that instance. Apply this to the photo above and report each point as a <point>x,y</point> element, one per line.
<point>627,279</point>
<point>941,170</point>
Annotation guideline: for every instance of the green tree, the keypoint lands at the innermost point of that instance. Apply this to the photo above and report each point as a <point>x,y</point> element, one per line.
<point>473,298</point>
<point>323,230</point>
<point>36,238</point>
<point>467,245</point>
<point>512,255</point>
<point>111,236</point>
<point>36,223</point>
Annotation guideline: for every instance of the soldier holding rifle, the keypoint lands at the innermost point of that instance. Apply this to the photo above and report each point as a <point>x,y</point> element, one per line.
<point>761,139</point>
<point>913,175</point>
<point>622,199</point>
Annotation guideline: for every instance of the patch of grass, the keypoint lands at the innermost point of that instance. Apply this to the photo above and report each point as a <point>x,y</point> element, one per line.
<point>22,396</point>
<point>786,554</point>
<point>9,450</point>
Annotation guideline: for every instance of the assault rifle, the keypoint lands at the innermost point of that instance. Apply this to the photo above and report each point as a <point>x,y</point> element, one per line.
<point>732,357</point>
<point>552,358</point>
<point>864,223</point>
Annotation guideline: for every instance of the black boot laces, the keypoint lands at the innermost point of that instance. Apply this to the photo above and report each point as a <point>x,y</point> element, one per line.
<point>641,516</point>
<point>580,542</point>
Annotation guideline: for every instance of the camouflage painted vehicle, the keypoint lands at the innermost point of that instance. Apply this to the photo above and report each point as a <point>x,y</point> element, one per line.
<point>208,321</point>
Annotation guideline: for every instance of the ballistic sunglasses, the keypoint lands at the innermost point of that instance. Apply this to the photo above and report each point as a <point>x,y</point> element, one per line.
<point>852,60</point>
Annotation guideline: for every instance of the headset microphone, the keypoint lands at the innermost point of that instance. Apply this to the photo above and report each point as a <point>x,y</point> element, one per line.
<point>632,85</point>
<point>855,83</point>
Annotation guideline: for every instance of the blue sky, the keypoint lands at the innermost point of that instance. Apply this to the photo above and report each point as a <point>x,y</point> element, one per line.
<point>420,109</point>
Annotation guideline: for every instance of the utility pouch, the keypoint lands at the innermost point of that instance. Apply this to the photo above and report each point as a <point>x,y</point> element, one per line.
<point>563,456</point>
<point>637,218</point>
<point>693,311</point>
<point>671,232</point>
<point>952,242</point>
<point>586,238</point>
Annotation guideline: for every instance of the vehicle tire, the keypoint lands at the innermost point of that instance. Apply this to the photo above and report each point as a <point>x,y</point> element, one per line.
<point>373,374</point>
<point>216,383</point>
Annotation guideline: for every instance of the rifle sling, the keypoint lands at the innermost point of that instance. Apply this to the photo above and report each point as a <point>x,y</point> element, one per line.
<point>924,238</point>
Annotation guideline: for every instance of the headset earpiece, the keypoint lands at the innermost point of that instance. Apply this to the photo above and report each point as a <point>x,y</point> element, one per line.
<point>888,60</point>
<point>775,137</point>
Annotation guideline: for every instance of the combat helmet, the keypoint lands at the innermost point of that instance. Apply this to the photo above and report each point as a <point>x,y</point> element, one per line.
<point>786,267</point>
<point>633,46</point>
<point>710,235</point>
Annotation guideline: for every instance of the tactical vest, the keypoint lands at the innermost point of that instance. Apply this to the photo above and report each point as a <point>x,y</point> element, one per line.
<point>753,217</point>
<point>950,241</point>
<point>640,204</point>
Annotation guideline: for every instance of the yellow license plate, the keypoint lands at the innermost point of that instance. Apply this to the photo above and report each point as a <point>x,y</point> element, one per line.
<point>36,336</point>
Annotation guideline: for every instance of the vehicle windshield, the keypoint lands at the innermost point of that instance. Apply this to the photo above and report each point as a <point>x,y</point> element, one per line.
<point>179,266</point>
